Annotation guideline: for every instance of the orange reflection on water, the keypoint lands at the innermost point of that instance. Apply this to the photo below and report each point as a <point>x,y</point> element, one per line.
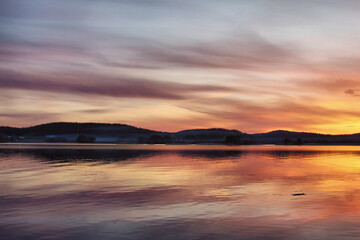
<point>232,192</point>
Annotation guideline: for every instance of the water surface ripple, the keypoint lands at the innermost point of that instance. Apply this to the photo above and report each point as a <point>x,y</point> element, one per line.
<point>179,192</point>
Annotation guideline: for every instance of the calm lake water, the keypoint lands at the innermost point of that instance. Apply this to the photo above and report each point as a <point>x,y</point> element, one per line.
<point>179,192</point>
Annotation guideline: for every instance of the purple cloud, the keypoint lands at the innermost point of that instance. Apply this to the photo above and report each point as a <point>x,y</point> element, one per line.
<point>120,87</point>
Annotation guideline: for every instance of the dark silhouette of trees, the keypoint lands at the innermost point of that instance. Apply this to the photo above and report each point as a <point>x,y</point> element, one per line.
<point>287,141</point>
<point>140,139</point>
<point>85,139</point>
<point>159,139</point>
<point>60,132</point>
<point>4,138</point>
<point>56,139</point>
<point>298,141</point>
<point>59,128</point>
<point>232,139</point>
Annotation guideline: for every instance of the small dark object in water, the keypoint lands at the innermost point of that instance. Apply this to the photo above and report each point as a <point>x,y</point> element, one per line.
<point>298,194</point>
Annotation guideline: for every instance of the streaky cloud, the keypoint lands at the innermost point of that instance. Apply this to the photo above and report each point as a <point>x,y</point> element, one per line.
<point>119,87</point>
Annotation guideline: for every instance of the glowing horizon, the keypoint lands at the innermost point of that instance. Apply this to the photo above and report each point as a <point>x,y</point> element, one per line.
<point>254,66</point>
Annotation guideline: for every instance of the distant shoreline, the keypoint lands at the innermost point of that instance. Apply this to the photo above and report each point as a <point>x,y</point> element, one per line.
<point>181,147</point>
<point>103,133</point>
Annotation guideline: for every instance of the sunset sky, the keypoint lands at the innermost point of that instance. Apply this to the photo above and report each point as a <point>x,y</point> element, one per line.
<point>171,65</point>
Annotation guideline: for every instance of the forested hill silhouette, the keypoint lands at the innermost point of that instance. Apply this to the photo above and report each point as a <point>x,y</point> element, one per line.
<point>122,133</point>
<point>70,127</point>
<point>291,137</point>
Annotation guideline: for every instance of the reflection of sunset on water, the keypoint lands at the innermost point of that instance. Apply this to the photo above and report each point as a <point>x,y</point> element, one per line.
<point>251,188</point>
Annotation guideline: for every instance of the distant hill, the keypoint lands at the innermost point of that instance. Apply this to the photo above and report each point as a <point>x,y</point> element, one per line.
<point>285,133</point>
<point>290,137</point>
<point>65,131</point>
<point>211,135</point>
<point>117,133</point>
<point>77,128</point>
<point>122,133</point>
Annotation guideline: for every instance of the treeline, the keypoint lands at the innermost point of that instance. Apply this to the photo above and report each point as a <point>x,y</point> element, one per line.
<point>73,128</point>
<point>122,133</point>
<point>194,139</point>
<point>80,139</point>
<point>333,140</point>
